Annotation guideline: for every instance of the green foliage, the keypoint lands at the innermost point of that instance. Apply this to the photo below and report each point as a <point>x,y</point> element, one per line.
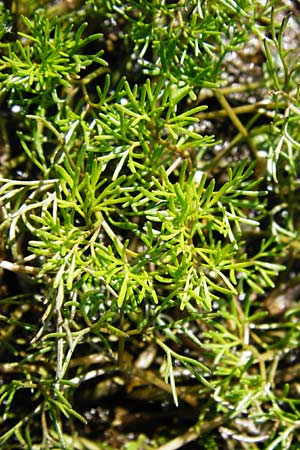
<point>45,57</point>
<point>128,232</point>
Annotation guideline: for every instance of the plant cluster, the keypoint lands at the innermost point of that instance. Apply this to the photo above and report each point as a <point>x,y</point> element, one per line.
<point>149,230</point>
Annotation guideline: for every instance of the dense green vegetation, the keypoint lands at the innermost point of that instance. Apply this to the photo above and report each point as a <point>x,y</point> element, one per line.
<point>149,235</point>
